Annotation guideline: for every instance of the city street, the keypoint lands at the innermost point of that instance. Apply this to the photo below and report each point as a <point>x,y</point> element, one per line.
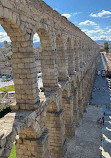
<point>101,96</point>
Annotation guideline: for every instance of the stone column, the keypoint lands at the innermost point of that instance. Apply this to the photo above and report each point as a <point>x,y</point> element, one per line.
<point>49,70</point>
<point>75,107</point>
<point>77,59</point>
<point>55,125</point>
<point>62,59</point>
<point>80,99</point>
<point>29,145</point>
<point>62,65</point>
<point>71,61</point>
<point>80,53</point>
<point>71,57</point>
<point>25,80</point>
<point>84,95</point>
<point>67,104</point>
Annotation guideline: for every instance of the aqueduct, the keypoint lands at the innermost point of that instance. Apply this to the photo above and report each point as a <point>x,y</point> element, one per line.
<point>43,122</point>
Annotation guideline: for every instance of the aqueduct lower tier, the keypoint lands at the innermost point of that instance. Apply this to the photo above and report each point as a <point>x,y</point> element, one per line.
<point>43,122</point>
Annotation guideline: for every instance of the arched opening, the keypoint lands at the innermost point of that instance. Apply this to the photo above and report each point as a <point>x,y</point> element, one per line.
<point>55,124</point>
<point>61,59</point>
<point>19,45</point>
<point>48,65</point>
<point>7,90</point>
<point>67,105</point>
<point>37,57</point>
<point>70,53</point>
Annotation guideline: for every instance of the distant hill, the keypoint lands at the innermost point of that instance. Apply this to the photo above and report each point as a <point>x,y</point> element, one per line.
<point>102,41</point>
<point>35,44</point>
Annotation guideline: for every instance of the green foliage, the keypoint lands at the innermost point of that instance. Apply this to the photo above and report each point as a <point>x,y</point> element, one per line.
<point>13,152</point>
<point>10,88</point>
<point>106,47</point>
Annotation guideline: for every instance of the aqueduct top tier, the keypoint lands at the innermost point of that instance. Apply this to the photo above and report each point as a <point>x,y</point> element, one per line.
<point>68,63</point>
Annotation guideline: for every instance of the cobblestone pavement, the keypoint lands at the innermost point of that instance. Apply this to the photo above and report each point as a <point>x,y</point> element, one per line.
<point>101,95</point>
<point>87,140</point>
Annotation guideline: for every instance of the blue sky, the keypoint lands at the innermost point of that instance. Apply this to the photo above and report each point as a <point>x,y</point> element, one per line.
<point>91,16</point>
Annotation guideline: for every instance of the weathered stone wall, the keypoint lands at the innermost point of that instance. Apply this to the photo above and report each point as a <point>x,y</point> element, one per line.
<point>69,60</point>
<point>109,48</point>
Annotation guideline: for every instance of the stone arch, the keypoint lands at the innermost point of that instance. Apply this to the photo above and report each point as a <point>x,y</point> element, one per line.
<point>30,144</point>
<point>48,60</point>
<point>15,33</point>
<point>67,105</point>
<point>54,122</point>
<point>22,60</point>
<point>44,39</point>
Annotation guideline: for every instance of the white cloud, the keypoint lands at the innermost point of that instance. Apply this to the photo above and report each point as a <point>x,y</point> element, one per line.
<point>107,27</point>
<point>97,27</point>
<point>76,13</point>
<point>87,22</point>
<point>4,37</point>
<point>98,34</point>
<point>101,14</point>
<point>109,31</point>
<point>102,37</point>
<point>67,15</point>
<point>90,32</point>
<point>36,38</point>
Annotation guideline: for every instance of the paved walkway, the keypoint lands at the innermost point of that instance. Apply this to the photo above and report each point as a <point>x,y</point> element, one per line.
<point>87,140</point>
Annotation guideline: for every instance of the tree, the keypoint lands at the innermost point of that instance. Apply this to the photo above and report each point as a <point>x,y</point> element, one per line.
<point>106,47</point>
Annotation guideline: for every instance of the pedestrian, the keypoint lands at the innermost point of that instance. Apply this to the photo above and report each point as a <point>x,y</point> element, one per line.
<point>103,119</point>
<point>104,113</point>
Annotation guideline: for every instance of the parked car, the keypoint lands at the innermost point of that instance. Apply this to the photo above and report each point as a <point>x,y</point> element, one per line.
<point>98,73</point>
<point>103,73</point>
